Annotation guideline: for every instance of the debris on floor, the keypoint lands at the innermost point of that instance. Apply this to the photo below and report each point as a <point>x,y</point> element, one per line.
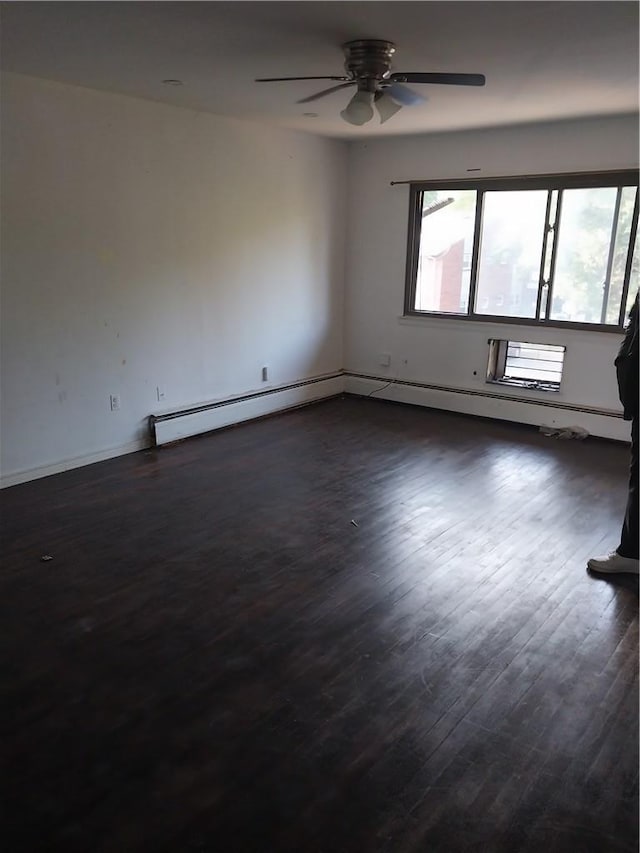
<point>564,432</point>
<point>355,523</point>
<point>45,558</point>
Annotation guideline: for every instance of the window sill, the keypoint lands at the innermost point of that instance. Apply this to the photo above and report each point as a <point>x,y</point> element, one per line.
<point>419,318</point>
<point>524,385</point>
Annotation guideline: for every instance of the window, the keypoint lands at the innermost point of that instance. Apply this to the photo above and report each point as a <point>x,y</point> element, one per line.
<point>525,365</point>
<point>553,250</point>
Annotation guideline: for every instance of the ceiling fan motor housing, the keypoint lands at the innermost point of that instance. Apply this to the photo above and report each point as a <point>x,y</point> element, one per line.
<point>368,61</point>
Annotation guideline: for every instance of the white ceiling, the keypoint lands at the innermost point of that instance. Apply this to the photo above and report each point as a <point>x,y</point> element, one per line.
<point>542,60</point>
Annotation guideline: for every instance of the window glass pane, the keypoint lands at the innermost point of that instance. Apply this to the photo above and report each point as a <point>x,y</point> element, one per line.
<point>634,280</point>
<point>582,254</point>
<point>511,252</point>
<point>446,244</point>
<point>623,233</point>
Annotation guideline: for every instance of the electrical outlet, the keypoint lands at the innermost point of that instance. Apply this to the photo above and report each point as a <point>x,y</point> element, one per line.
<point>114,401</point>
<point>385,359</point>
<point>160,393</point>
<point>265,373</point>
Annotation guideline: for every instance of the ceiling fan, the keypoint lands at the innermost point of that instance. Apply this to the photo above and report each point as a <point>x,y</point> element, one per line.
<point>368,66</point>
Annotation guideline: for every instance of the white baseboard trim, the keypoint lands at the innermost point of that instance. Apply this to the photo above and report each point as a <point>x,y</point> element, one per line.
<point>206,418</point>
<point>174,426</point>
<point>68,464</point>
<point>171,427</point>
<point>600,423</point>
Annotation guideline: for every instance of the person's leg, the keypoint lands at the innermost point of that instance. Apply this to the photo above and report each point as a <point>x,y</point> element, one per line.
<point>625,557</point>
<point>628,546</point>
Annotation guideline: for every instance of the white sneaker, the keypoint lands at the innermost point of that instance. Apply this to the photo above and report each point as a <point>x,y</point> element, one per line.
<point>613,563</point>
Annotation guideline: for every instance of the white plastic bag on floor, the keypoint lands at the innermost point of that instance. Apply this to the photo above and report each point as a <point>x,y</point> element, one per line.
<point>565,432</point>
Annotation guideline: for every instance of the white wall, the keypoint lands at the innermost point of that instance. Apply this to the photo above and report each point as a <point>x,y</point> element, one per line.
<point>447,352</point>
<point>145,245</point>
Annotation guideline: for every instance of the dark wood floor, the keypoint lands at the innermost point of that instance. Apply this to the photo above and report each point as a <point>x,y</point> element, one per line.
<point>217,659</point>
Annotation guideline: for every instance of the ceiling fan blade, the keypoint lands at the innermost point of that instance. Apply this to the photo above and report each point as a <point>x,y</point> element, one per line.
<point>447,79</point>
<point>325,92</point>
<point>282,79</point>
<point>403,95</point>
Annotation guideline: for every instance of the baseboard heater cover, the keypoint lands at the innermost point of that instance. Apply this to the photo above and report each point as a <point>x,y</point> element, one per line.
<point>206,417</point>
<point>574,407</point>
<point>604,423</point>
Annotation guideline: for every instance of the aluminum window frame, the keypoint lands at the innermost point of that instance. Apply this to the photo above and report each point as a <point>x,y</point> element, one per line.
<point>559,182</point>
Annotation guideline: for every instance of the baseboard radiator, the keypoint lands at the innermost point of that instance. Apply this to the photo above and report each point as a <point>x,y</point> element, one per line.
<point>173,426</point>
<point>169,427</point>
<point>604,423</point>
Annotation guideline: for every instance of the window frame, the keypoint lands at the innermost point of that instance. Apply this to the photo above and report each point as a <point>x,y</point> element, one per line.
<point>560,182</point>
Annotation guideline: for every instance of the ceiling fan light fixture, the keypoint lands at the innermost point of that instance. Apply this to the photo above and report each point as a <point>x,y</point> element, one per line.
<point>386,106</point>
<point>359,110</point>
